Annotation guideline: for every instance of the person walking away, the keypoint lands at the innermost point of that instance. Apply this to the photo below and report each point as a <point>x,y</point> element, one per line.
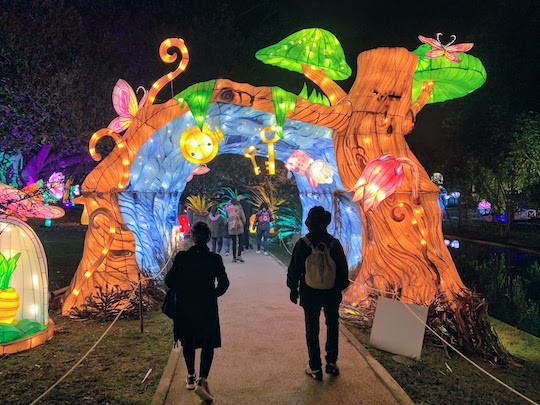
<point>225,235</point>
<point>315,299</point>
<point>235,223</point>
<point>196,323</point>
<point>217,224</point>
<point>263,217</point>
<point>248,212</point>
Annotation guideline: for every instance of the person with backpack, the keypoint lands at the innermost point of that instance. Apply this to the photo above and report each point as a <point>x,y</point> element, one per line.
<point>318,273</point>
<point>235,224</point>
<point>193,276</point>
<point>263,217</point>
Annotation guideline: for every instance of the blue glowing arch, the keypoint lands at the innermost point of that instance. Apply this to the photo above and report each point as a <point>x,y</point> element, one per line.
<point>158,176</point>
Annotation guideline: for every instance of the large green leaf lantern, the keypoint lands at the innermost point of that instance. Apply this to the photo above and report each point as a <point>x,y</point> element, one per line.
<point>449,79</point>
<point>315,47</point>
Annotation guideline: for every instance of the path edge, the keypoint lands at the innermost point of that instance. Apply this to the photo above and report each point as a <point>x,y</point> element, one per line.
<point>397,392</point>
<point>166,378</point>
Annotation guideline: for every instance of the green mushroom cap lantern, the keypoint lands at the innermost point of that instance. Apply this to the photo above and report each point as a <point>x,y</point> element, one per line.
<point>450,79</point>
<point>315,47</point>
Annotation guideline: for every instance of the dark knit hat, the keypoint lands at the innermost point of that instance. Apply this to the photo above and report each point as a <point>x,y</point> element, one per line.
<point>318,218</point>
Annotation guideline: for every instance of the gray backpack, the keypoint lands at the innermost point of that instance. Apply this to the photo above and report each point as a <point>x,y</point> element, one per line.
<point>320,267</point>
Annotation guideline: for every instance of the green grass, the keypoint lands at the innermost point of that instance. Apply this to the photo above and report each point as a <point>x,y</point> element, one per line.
<point>440,379</point>
<point>520,344</point>
<point>111,374</point>
<point>277,249</point>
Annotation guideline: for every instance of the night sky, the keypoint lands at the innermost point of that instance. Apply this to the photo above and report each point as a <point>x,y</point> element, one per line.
<point>223,36</point>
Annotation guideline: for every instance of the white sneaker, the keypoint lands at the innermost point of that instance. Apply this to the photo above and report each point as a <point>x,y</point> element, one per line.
<point>266,253</point>
<point>190,382</point>
<point>226,253</point>
<point>258,252</point>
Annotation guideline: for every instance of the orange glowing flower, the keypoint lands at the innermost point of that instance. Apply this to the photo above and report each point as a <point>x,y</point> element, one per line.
<point>380,178</point>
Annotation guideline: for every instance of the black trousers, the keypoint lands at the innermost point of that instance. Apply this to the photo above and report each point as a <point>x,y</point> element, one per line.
<point>312,315</point>
<point>246,235</point>
<point>237,245</point>
<point>207,355</point>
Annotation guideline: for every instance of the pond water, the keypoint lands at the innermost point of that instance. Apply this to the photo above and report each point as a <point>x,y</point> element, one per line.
<point>508,278</point>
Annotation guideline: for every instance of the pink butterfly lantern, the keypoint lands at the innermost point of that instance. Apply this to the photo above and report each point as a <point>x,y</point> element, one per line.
<point>449,51</point>
<point>125,104</point>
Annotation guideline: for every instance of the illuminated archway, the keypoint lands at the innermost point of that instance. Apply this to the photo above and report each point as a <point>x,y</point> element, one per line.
<point>403,250</point>
<point>131,227</point>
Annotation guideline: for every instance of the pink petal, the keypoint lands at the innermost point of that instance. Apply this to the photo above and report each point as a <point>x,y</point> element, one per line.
<point>358,195</point>
<point>119,124</point>
<point>312,182</point>
<point>124,99</point>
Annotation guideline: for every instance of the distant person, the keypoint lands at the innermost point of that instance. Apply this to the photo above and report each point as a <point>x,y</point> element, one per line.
<point>248,211</point>
<point>313,299</point>
<point>263,217</point>
<point>217,226</point>
<point>226,237</point>
<point>196,323</point>
<point>235,224</point>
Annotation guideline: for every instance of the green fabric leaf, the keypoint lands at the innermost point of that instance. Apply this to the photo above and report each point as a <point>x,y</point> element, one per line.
<point>304,92</point>
<point>198,99</point>
<point>9,333</point>
<point>452,80</point>
<point>315,47</point>
<point>6,269</point>
<point>283,102</point>
<point>29,327</point>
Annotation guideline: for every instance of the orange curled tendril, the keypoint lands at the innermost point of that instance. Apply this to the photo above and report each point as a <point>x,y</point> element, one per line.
<point>120,144</point>
<point>168,58</point>
<point>112,231</point>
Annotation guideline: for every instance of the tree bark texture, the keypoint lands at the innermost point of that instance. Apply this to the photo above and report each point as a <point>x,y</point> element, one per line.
<point>403,246</point>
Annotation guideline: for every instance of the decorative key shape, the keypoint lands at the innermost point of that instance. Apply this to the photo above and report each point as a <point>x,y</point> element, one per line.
<point>250,153</point>
<point>270,163</point>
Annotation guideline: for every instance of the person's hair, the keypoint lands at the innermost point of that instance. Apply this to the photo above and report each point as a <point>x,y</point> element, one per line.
<point>234,201</point>
<point>201,233</point>
<point>264,205</point>
<point>318,219</point>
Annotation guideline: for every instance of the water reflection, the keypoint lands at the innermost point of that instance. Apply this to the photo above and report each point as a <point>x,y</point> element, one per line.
<point>508,278</point>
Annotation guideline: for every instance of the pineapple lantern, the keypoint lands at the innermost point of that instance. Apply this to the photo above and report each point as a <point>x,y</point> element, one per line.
<point>9,298</point>
<point>24,318</point>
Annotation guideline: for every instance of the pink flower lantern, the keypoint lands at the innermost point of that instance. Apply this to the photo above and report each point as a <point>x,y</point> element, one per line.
<point>380,178</point>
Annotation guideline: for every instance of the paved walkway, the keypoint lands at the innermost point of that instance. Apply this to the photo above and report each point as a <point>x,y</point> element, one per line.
<point>264,353</point>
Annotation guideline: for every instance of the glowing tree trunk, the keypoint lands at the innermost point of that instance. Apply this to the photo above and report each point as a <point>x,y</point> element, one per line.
<point>403,247</point>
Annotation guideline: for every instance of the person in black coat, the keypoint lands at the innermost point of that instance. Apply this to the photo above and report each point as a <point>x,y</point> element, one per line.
<point>196,323</point>
<point>312,300</point>
<point>248,211</point>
